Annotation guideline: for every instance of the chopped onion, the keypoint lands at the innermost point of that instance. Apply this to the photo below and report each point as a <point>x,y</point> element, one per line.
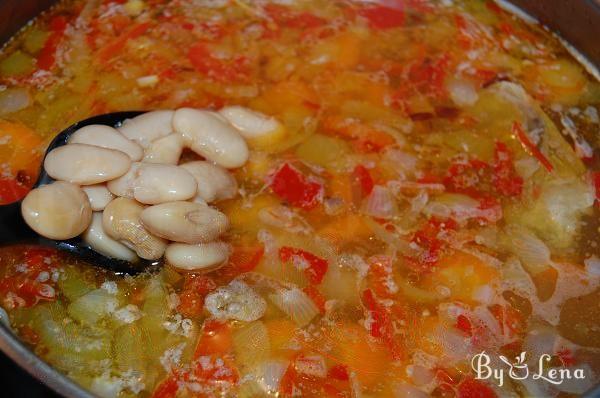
<point>251,345</point>
<point>461,208</point>
<point>592,265</point>
<point>271,373</point>
<point>462,92</point>
<point>311,365</point>
<point>284,218</point>
<point>380,203</point>
<point>295,304</point>
<point>533,253</point>
<point>408,391</point>
<point>13,100</point>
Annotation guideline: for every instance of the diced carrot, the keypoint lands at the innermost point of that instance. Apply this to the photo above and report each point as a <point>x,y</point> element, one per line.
<point>116,46</point>
<point>191,298</point>
<point>243,259</point>
<point>215,339</point>
<point>343,229</point>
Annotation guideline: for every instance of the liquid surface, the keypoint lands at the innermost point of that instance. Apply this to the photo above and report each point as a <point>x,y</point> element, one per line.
<point>432,197</point>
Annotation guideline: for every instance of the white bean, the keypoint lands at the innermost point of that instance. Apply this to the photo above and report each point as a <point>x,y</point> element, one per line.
<point>251,124</point>
<point>98,195</point>
<point>201,257</point>
<point>148,127</point>
<point>185,222</point>
<point>57,211</point>
<point>166,150</point>
<point>214,182</point>
<point>152,184</point>
<point>104,244</point>
<point>86,164</point>
<point>121,221</point>
<point>107,137</point>
<point>209,136</point>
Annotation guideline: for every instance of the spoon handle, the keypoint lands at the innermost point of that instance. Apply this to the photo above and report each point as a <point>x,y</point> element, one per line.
<point>12,226</point>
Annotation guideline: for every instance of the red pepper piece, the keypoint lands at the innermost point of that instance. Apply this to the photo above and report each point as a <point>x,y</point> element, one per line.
<point>471,388</point>
<point>191,298</point>
<point>314,267</point>
<point>316,296</point>
<point>362,178</point>
<point>383,18</point>
<point>464,324</point>
<point>116,46</point>
<point>292,186</point>
<point>11,190</point>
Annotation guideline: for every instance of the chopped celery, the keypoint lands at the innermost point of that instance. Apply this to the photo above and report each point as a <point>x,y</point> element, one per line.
<point>93,306</point>
<point>17,64</point>
<point>324,151</point>
<point>34,40</point>
<point>73,284</point>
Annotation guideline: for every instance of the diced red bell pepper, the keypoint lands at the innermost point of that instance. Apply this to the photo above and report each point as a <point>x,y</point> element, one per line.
<point>464,324</point>
<point>314,267</point>
<point>47,56</point>
<point>471,388</point>
<point>316,296</point>
<point>362,179</point>
<point>243,259</point>
<point>383,18</point>
<point>292,186</point>
<point>529,146</point>
<point>191,298</point>
<point>380,323</point>
<point>380,276</point>
<point>566,357</point>
<point>338,372</point>
<point>167,388</point>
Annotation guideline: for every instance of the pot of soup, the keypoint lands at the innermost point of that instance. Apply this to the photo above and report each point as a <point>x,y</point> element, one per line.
<point>338,198</point>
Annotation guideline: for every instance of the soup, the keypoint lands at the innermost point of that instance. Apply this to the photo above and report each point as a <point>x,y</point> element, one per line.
<point>428,201</point>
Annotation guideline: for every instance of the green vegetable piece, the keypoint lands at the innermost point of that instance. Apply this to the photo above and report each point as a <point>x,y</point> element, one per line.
<point>17,64</point>
<point>34,40</point>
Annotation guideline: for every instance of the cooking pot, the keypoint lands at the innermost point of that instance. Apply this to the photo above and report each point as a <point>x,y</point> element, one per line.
<point>576,21</point>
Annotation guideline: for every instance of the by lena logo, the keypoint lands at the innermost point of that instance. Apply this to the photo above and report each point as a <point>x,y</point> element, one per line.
<point>520,370</point>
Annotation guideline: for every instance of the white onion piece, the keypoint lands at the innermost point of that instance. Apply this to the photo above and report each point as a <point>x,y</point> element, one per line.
<point>251,345</point>
<point>270,375</point>
<point>462,92</point>
<point>592,265</point>
<point>408,391</point>
<point>13,100</point>
<point>380,203</point>
<point>533,253</point>
<point>295,304</point>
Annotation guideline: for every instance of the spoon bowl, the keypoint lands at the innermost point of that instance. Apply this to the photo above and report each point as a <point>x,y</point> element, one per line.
<point>13,228</point>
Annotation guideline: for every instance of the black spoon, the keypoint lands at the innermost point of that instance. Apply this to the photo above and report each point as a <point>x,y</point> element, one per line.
<point>13,228</point>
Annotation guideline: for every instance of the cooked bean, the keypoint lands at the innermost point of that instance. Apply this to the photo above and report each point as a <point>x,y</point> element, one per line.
<point>152,184</point>
<point>251,124</point>
<point>57,211</point>
<point>201,257</point>
<point>185,222</point>
<point>86,164</point>
<point>166,150</point>
<point>121,221</point>
<point>107,137</point>
<point>98,195</point>
<point>102,243</point>
<point>214,182</point>
<point>148,127</point>
<point>207,134</point>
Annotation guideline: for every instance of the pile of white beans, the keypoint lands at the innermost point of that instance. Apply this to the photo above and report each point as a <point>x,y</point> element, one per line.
<point>124,190</point>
